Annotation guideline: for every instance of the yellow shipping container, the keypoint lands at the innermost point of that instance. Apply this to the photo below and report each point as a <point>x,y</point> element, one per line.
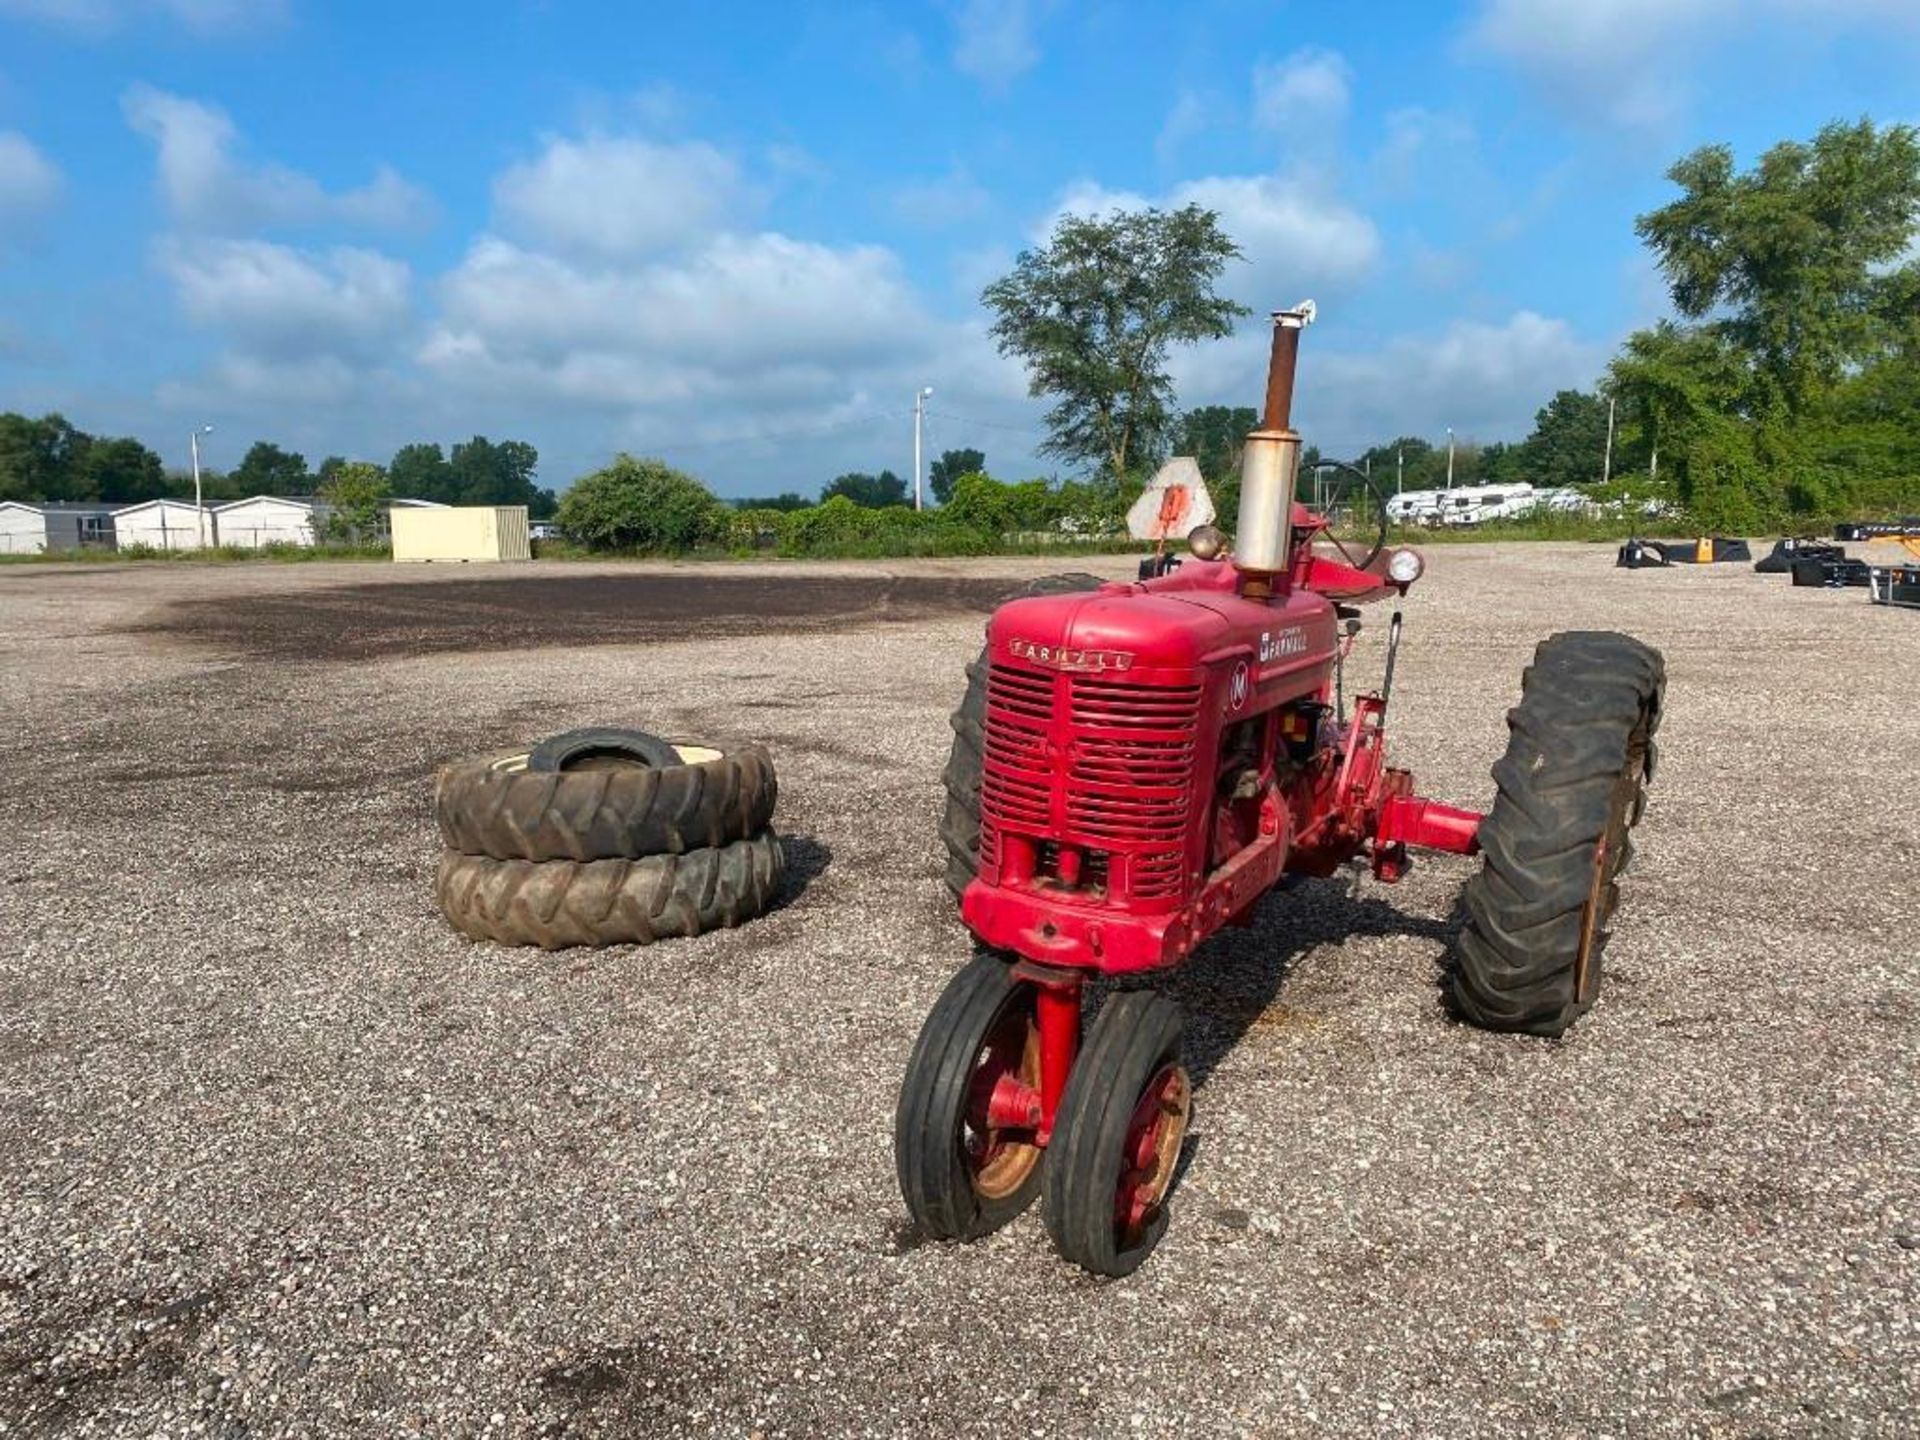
<point>461,532</point>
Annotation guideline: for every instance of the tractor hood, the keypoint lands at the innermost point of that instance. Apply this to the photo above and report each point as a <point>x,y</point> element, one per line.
<point>1123,628</point>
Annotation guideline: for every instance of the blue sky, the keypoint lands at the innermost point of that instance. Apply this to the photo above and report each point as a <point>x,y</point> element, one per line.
<point>741,236</point>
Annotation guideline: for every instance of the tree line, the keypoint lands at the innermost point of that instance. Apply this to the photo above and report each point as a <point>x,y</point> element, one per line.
<point>1787,392</point>
<point>50,459</point>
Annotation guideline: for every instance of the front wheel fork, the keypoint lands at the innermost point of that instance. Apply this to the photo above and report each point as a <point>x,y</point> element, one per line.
<point>1057,997</point>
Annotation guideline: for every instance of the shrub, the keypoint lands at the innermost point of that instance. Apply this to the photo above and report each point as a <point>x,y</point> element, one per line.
<point>635,504</point>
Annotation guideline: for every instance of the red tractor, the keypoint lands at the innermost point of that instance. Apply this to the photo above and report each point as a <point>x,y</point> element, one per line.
<point>1136,764</point>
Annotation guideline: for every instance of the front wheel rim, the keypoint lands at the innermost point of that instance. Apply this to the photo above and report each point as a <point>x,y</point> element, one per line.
<point>1001,1159</point>
<point>1155,1136</point>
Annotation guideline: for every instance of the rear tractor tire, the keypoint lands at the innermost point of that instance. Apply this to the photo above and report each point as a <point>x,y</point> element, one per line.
<point>960,1175</point>
<point>1115,1147</point>
<point>960,822</point>
<point>1570,789</point>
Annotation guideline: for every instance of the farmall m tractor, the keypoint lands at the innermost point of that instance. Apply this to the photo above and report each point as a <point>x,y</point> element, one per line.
<point>1136,764</point>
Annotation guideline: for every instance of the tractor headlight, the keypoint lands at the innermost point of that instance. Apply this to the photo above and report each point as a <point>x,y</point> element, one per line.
<point>1207,541</point>
<point>1405,567</point>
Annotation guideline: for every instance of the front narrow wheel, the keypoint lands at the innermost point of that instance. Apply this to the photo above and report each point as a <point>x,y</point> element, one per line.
<point>1116,1142</point>
<point>961,1173</point>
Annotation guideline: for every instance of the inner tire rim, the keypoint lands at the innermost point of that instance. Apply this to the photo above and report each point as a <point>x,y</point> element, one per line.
<point>1594,916</point>
<point>1154,1136</point>
<point>999,1158</point>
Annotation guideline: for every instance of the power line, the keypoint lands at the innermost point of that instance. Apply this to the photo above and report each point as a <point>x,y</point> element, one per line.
<point>985,424</point>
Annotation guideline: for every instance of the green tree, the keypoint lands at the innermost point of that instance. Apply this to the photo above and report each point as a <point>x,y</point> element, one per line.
<point>1790,390</point>
<point>420,472</point>
<point>872,492</point>
<point>1792,255</point>
<point>485,473</point>
<point>951,465</point>
<point>1093,314</point>
<point>355,493</point>
<point>42,459</point>
<point>266,469</point>
<point>635,504</point>
<point>1568,444</point>
<point>786,501</point>
<point>1213,435</point>
<point>122,471</point>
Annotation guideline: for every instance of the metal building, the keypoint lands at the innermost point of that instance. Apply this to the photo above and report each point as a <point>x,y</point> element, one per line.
<point>32,529</point>
<point>163,525</point>
<point>262,520</point>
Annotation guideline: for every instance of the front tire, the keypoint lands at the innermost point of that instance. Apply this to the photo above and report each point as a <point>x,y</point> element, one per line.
<point>1116,1142</point>
<point>960,1176</point>
<point>1571,787</point>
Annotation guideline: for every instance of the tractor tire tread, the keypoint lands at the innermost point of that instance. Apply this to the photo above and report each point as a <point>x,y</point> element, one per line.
<point>614,814</point>
<point>560,903</point>
<point>939,1195</point>
<point>1587,701</point>
<point>1134,1033</point>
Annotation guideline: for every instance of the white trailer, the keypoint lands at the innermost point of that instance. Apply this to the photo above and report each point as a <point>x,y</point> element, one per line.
<point>1414,507</point>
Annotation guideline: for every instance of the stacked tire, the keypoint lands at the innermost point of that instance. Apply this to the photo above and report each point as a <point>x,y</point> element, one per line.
<point>607,837</point>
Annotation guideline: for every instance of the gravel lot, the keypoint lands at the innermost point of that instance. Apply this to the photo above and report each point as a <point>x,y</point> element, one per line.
<point>281,1155</point>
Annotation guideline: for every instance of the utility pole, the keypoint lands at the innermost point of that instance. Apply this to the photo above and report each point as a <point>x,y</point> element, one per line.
<point>1606,465</point>
<point>200,511</point>
<point>1449,457</point>
<point>1653,469</point>
<point>1400,471</point>
<point>919,419</point>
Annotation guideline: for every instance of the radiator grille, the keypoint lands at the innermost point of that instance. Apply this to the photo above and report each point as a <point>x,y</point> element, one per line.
<point>1015,786</point>
<point>1131,775</point>
<point>1123,780</point>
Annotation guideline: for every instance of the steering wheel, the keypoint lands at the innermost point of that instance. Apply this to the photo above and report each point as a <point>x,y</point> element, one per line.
<point>1354,509</point>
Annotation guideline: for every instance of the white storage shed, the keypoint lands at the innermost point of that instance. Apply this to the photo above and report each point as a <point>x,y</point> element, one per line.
<point>264,520</point>
<point>163,525</point>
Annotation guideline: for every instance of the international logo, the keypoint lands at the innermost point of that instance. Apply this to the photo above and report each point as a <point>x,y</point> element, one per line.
<point>1237,687</point>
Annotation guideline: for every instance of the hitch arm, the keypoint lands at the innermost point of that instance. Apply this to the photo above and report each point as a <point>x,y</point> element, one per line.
<point>1428,825</point>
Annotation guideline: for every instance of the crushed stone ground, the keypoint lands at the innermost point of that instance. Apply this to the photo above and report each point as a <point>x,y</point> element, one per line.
<point>282,1155</point>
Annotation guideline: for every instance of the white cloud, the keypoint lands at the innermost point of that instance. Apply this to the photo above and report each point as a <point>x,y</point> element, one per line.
<point>279,304</point>
<point>615,197</point>
<point>1624,61</point>
<point>263,383</point>
<point>204,17</point>
<point>944,200</point>
<point>1304,95</point>
<point>1421,142</point>
<point>30,184</point>
<point>1485,380</point>
<point>741,306</point>
<point>1292,235</point>
<point>1189,116</point>
<point>206,188</point>
<point>993,40</point>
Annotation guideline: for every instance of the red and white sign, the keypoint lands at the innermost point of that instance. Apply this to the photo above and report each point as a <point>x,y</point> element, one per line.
<point>1174,504</point>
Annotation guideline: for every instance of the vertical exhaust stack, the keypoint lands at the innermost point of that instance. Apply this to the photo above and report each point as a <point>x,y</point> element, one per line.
<point>1261,544</point>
